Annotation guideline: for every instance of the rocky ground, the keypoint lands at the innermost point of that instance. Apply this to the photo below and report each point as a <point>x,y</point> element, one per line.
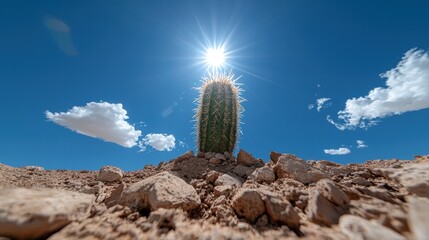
<point>218,196</point>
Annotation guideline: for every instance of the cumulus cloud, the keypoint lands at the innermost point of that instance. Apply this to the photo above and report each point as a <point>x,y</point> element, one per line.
<point>160,142</point>
<point>339,151</point>
<point>407,89</point>
<point>310,106</point>
<point>361,144</point>
<point>101,120</point>
<point>323,103</point>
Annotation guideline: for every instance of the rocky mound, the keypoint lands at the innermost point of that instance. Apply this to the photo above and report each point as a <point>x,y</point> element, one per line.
<point>218,196</point>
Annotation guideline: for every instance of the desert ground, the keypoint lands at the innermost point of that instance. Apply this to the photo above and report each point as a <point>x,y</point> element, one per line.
<point>219,196</point>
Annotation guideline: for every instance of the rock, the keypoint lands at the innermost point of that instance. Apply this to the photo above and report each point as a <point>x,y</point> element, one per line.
<point>201,155</point>
<point>332,192</point>
<point>379,193</point>
<point>33,168</point>
<point>222,190</point>
<point>414,177</point>
<point>290,166</point>
<point>320,210</point>
<point>215,160</point>
<point>165,218</point>
<point>114,196</point>
<point>37,213</point>
<point>113,224</point>
<point>356,227</point>
<point>220,156</point>
<point>242,226</point>
<point>227,155</point>
<point>259,163</point>
<point>332,169</point>
<point>281,211</point>
<point>248,203</point>
<point>110,174</point>
<point>245,158</point>
<point>229,179</point>
<point>361,181</point>
<point>263,175</point>
<point>209,155</point>
<point>184,156</point>
<point>212,176</point>
<point>163,190</point>
<point>274,156</point>
<point>243,171</point>
<point>418,217</point>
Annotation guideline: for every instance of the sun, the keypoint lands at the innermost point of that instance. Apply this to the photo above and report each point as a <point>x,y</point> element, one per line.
<point>215,57</point>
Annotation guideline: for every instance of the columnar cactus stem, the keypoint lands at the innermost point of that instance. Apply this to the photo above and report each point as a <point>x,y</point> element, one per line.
<point>218,114</point>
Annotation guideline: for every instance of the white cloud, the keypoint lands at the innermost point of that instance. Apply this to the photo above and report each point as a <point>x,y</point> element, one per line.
<point>161,142</point>
<point>102,120</point>
<point>407,89</point>
<point>339,151</point>
<point>361,144</point>
<point>323,103</point>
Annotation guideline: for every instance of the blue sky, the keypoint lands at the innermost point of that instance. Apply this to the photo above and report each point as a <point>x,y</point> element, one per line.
<point>146,56</point>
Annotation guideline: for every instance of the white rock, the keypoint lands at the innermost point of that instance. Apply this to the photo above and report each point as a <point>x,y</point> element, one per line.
<point>418,217</point>
<point>34,213</point>
<point>358,228</point>
<point>110,174</point>
<point>163,190</point>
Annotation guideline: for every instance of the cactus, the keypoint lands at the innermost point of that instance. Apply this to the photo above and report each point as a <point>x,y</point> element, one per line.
<point>218,114</point>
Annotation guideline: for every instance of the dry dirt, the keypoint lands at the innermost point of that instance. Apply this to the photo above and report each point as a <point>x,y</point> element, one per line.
<point>218,196</point>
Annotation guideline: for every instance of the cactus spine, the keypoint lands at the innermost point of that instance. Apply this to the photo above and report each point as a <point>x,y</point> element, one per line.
<point>218,114</point>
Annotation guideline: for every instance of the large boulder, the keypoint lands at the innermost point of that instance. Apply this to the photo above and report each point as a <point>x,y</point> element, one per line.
<point>37,213</point>
<point>110,174</point>
<point>290,166</point>
<point>163,190</point>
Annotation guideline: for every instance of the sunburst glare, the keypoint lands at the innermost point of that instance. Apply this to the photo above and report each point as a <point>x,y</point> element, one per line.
<point>215,57</point>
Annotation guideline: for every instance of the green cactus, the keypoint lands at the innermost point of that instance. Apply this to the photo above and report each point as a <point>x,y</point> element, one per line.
<point>218,114</point>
